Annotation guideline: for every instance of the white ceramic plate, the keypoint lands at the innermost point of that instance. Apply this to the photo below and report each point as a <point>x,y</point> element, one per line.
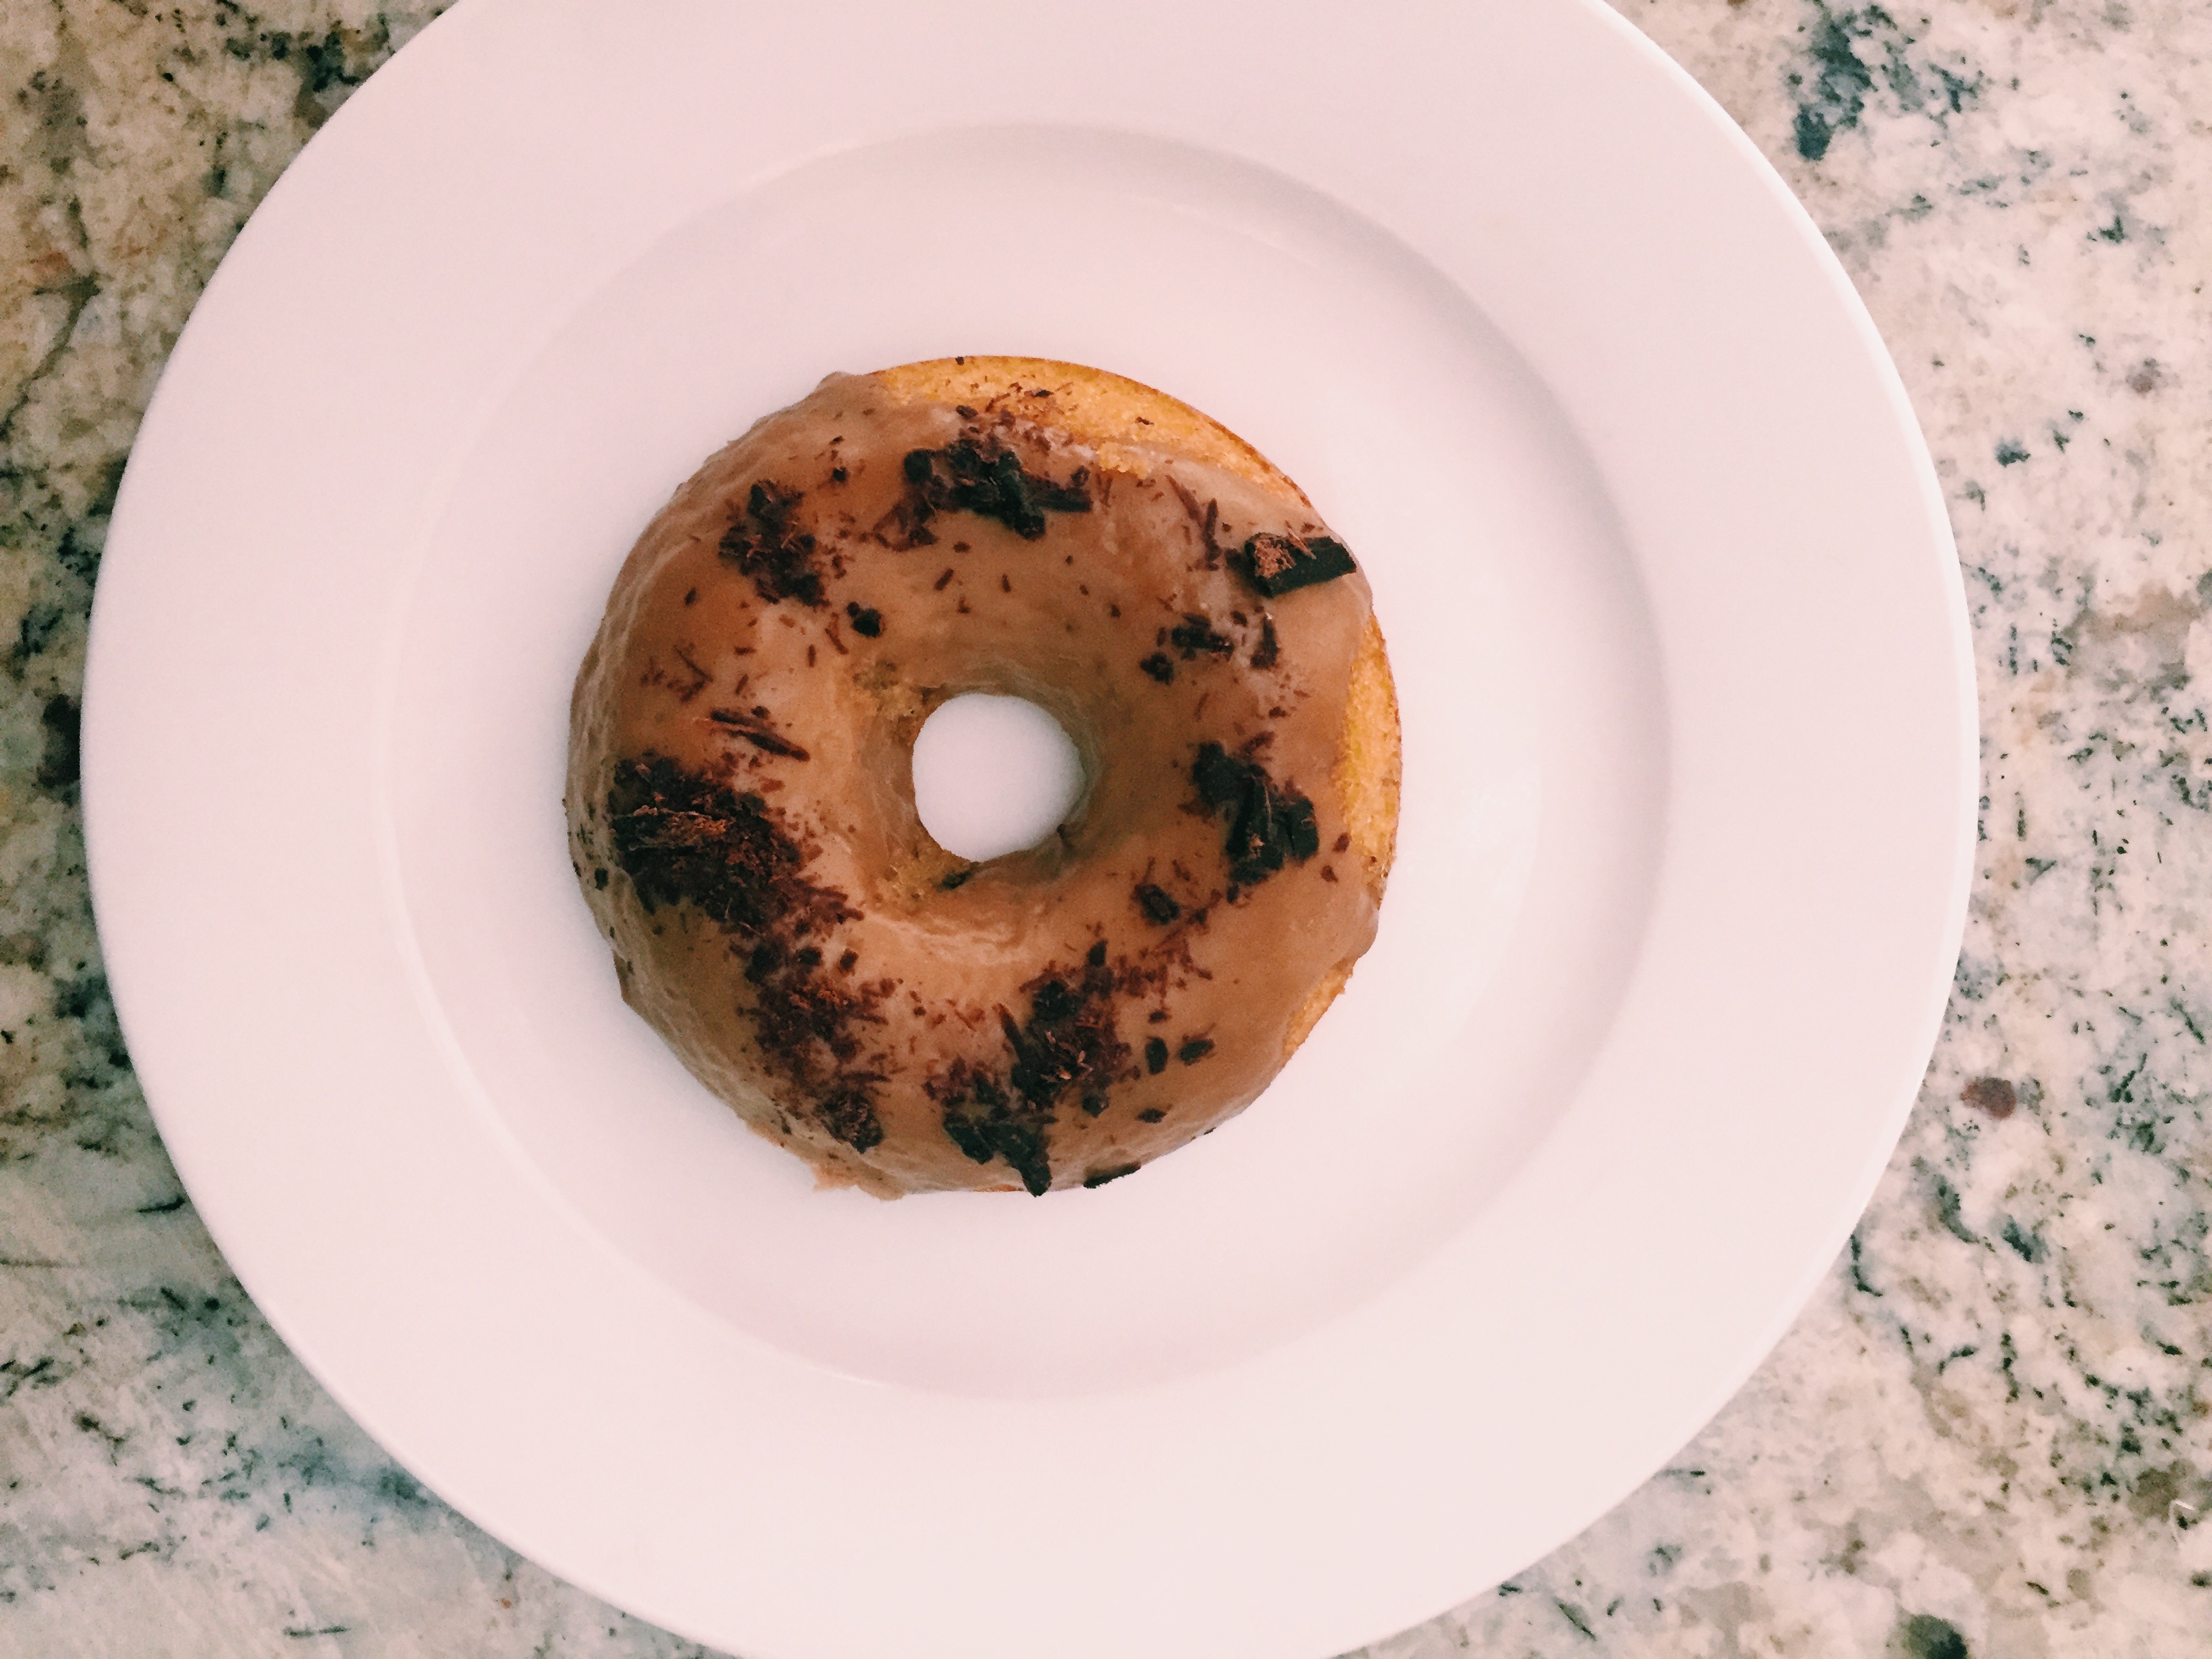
<point>1689,793</point>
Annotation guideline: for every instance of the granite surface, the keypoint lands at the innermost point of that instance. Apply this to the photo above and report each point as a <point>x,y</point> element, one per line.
<point>1991,1434</point>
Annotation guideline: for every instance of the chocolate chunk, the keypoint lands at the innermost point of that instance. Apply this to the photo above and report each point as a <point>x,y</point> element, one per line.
<point>1069,1040</point>
<point>968,477</point>
<point>765,542</point>
<point>1150,1114</point>
<point>1195,1050</point>
<point>1020,1142</point>
<point>1068,1043</point>
<point>1053,1001</point>
<point>1156,1055</point>
<point>1275,565</point>
<point>866,622</point>
<point>851,1117</point>
<point>1106,1172</point>
<point>1195,635</point>
<point>1269,822</point>
<point>1157,905</point>
<point>1160,666</point>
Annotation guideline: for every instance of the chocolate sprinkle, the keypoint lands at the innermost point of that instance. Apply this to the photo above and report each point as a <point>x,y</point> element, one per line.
<point>753,727</point>
<point>1267,821</point>
<point>766,544</point>
<point>1275,565</point>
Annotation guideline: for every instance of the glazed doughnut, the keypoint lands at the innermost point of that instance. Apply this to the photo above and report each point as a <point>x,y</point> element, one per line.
<point>740,794</point>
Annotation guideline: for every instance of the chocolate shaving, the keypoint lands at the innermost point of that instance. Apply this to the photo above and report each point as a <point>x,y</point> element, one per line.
<point>1276,565</point>
<point>1106,1172</point>
<point>684,839</point>
<point>1267,821</point>
<point>1195,1050</point>
<point>1265,653</point>
<point>1208,520</point>
<point>701,679</point>
<point>1156,1055</point>
<point>752,726</point>
<point>766,544</point>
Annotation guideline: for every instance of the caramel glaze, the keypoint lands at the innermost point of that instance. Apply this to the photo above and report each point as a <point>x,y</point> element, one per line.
<point>741,805</point>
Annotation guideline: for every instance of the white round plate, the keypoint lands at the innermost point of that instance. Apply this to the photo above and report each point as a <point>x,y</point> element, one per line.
<point>1689,795</point>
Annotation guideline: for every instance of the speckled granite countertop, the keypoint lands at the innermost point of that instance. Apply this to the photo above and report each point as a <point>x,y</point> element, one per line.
<point>1991,1434</point>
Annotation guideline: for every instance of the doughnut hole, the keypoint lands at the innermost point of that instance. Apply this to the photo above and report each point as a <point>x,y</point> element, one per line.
<point>993,776</point>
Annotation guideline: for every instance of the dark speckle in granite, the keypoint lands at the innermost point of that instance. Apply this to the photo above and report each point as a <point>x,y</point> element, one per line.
<point>1924,1636</point>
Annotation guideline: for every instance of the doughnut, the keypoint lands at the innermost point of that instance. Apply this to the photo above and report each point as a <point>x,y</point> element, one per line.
<point>740,796</point>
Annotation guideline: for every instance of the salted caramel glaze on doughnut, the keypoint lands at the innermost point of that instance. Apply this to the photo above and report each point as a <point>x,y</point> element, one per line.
<point>740,792</point>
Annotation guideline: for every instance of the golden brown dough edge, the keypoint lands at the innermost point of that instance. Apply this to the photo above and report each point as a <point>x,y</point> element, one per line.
<point>1110,413</point>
